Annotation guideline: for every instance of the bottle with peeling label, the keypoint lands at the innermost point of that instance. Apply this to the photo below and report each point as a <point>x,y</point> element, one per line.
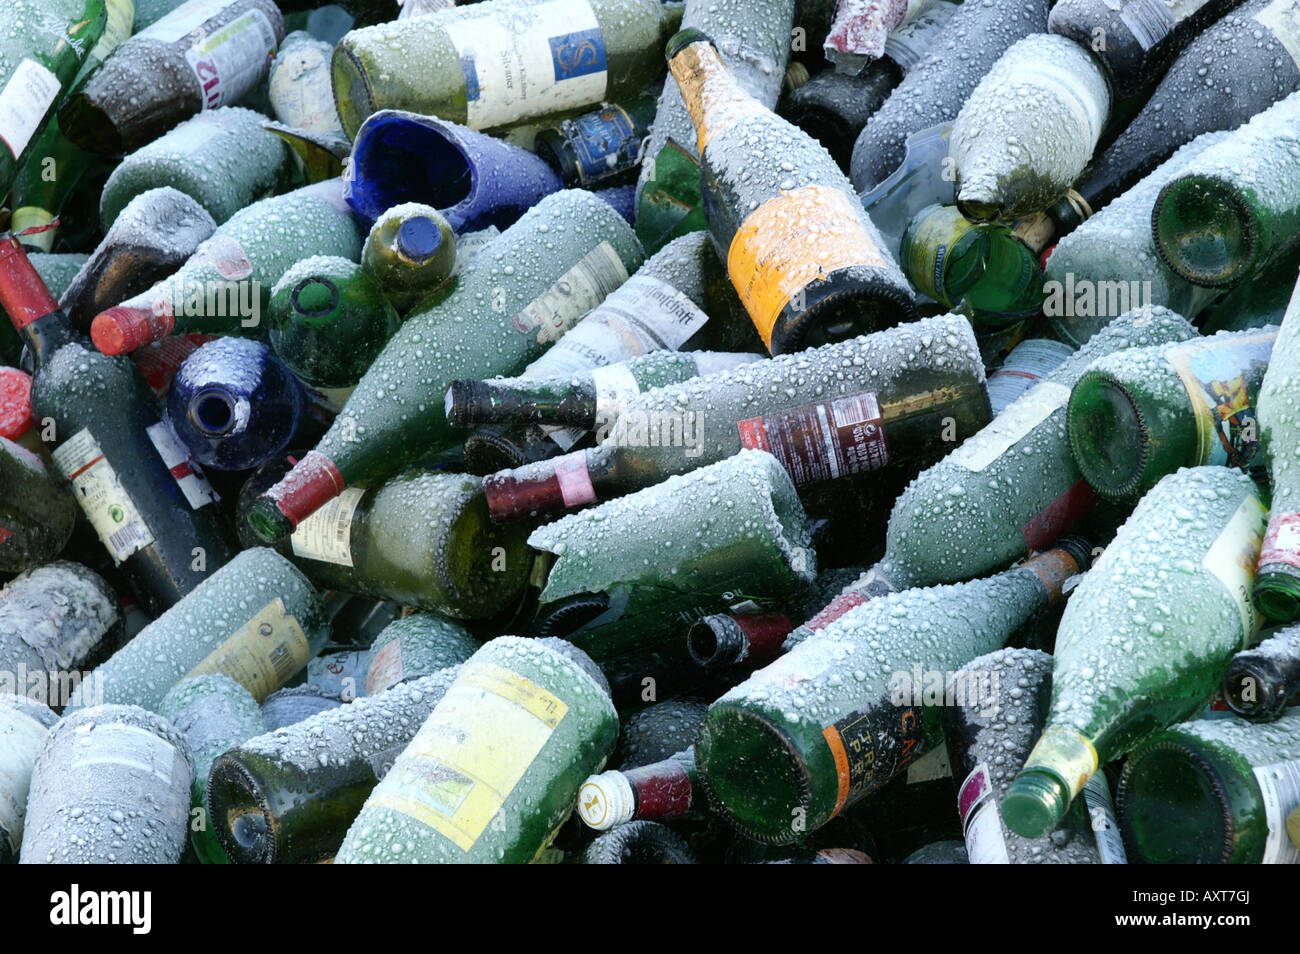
<point>842,713</point>
<point>500,62</point>
<point>665,790</point>
<point>1139,415</point>
<point>842,409</point>
<point>416,646</point>
<point>24,724</point>
<point>201,55</point>
<point>37,512</point>
<point>410,252</point>
<point>43,45</point>
<point>1261,682</point>
<point>1140,648</point>
<point>600,148</point>
<point>537,278</point>
<point>860,30</point>
<point>999,702</point>
<point>288,796</point>
<point>1213,791</point>
<point>111,785</point>
<point>131,478</point>
<point>225,286</point>
<point>257,620</point>
<point>495,769</point>
<point>299,85</point>
<point>806,261</point>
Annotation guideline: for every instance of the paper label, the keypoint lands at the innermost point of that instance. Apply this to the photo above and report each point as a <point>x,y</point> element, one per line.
<point>1062,81</point>
<point>1101,817</point>
<point>707,93</point>
<point>103,499</point>
<point>615,386</point>
<point>327,533</point>
<point>1233,557</point>
<point>187,474</point>
<point>128,746</point>
<point>301,92</point>
<point>385,668</point>
<point>980,819</point>
<point>1010,427</point>
<point>230,62</point>
<point>24,102</point>
<point>1223,382</point>
<point>1279,785</point>
<point>263,654</point>
<point>1150,21</point>
<point>1282,18</point>
<point>579,290</point>
<point>1027,364</point>
<point>1282,541</point>
<point>184,19</point>
<point>790,241</point>
<point>575,482</point>
<point>871,746</point>
<point>820,442</point>
<point>471,752</point>
<point>541,59</point>
<point>21,737</point>
<point>603,143</point>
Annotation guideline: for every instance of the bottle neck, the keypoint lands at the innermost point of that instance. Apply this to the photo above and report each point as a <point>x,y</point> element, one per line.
<point>662,790</point>
<point>712,96</point>
<point>725,639</point>
<point>561,403</point>
<point>552,486</point>
<point>1054,568</point>
<point>32,309</point>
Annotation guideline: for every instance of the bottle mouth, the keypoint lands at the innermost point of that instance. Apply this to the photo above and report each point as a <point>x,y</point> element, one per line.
<point>1034,804</point>
<point>268,522</point>
<point>1249,689</point>
<point>1108,436</point>
<point>684,38</point>
<point>1204,231</point>
<point>213,412</point>
<point>852,301</point>
<point>315,297</point>
<point>238,809</point>
<point>714,641</point>
<point>1277,592</point>
<point>1174,807</point>
<point>418,239</point>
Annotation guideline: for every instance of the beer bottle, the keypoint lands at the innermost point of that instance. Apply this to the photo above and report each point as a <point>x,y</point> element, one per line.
<point>599,148</point>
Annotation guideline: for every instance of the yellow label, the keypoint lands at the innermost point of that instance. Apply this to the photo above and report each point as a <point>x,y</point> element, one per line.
<point>1233,557</point>
<point>712,98</point>
<point>1066,753</point>
<point>791,241</point>
<point>471,752</point>
<point>263,654</point>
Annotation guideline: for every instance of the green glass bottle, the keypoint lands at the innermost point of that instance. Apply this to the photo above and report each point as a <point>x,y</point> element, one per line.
<point>289,796</point>
<point>256,619</point>
<point>499,62</point>
<point>1262,681</point>
<point>807,262</point>
<point>410,252</point>
<point>521,292</point>
<point>225,286</point>
<point>329,320</point>
<point>43,44</point>
<point>1011,162</point>
<point>1139,415</point>
<point>222,158</point>
<point>1227,214</point>
<point>416,646</point>
<point>24,724</point>
<point>1146,635</point>
<point>661,790</point>
<point>844,712</point>
<point>214,713</point>
<point>984,271</point>
<point>37,512</point>
<point>1213,791</point>
<point>495,769</point>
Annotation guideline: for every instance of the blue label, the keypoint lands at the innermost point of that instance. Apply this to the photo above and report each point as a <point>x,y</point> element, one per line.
<point>471,78</point>
<point>597,136</point>
<point>578,54</point>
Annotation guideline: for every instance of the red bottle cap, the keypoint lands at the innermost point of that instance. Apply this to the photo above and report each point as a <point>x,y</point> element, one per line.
<point>15,403</point>
<point>313,482</point>
<point>22,292</point>
<point>120,330</point>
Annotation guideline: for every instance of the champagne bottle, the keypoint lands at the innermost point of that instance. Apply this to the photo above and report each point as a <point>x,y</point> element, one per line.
<point>1137,416</point>
<point>42,46</point>
<point>661,791</point>
<point>201,55</point>
<point>289,796</point>
<point>1135,41</point>
<point>1277,584</point>
<point>538,277</point>
<point>257,620</point>
<point>639,843</point>
<point>1213,791</point>
<point>36,511</point>
<point>113,448</point>
<point>523,724</point>
<point>416,646</point>
<point>44,185</point>
<point>602,147</point>
<point>24,724</point>
<point>410,252</point>
<point>234,404</point>
<point>111,785</point>
<point>1261,682</point>
<point>502,61</point>
<point>806,261</point>
<point>225,286</point>
<point>844,712</point>
<point>885,393</point>
<point>1140,648</point>
<point>222,158</point>
<point>1202,93</point>
<point>937,87</point>
<point>1011,162</point>
<point>989,731</point>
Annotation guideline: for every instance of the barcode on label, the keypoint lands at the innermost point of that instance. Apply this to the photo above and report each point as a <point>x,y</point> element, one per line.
<point>283,662</point>
<point>128,537</point>
<point>854,410</point>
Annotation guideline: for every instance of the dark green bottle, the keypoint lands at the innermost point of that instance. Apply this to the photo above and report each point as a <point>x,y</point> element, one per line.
<point>37,512</point>
<point>1262,681</point>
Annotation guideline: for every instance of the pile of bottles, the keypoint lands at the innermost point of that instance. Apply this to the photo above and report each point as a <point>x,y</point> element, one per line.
<point>617,431</point>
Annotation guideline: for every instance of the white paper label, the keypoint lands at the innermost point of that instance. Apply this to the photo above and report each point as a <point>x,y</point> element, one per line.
<point>1279,784</point>
<point>125,745</point>
<point>103,499</point>
<point>1282,17</point>
<point>23,103</point>
<point>184,19</point>
<point>1020,417</point>
<point>327,534</point>
<point>1074,94</point>
<point>978,810</point>
<point>544,59</point>
<point>418,8</point>
<point>340,674</point>
<point>1027,364</point>
<point>301,92</point>
<point>1101,817</point>
<point>232,60</point>
<point>579,290</point>
<point>189,478</point>
<point>615,386</point>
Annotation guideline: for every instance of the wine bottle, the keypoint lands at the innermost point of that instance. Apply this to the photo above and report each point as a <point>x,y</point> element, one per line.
<point>24,724</point>
<point>861,28</point>
<point>410,252</point>
<point>885,394</point>
<point>1261,682</point>
<point>538,277</point>
<point>639,843</point>
<point>48,178</point>
<point>662,790</point>
<point>416,646</point>
<point>806,261</point>
<point>724,640</point>
<point>1011,162</point>
<point>502,61</point>
<point>201,55</point>
<point>289,796</point>
<point>1213,791</point>
<point>599,148</point>
<point>1137,416</point>
<point>234,404</point>
<point>1140,648</point>
<point>1277,583</point>
<point>36,511</point>
<point>496,767</point>
<point>866,699</point>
